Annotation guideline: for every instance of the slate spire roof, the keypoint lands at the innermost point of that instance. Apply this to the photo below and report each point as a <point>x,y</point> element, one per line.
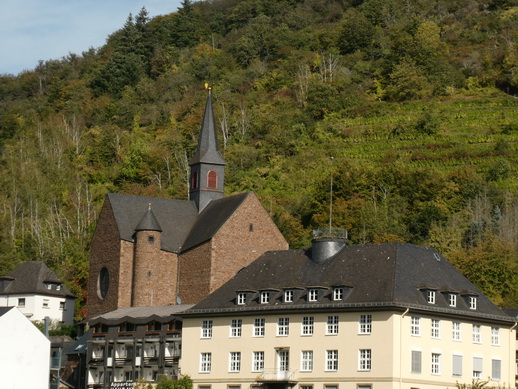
<point>148,222</point>
<point>32,277</point>
<point>208,149</point>
<point>376,276</point>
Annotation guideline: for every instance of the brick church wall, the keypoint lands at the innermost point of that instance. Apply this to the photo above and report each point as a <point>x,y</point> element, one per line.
<point>104,252</point>
<point>154,276</point>
<point>195,273</point>
<point>246,235</point>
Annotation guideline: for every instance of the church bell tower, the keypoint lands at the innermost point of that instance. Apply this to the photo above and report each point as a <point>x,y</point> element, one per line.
<point>207,165</point>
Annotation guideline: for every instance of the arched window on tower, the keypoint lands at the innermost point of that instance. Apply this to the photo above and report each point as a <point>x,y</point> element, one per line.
<point>212,179</point>
<point>194,180</point>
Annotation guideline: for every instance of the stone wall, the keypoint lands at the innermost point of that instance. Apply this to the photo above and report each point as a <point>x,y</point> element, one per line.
<point>246,235</point>
<point>105,251</point>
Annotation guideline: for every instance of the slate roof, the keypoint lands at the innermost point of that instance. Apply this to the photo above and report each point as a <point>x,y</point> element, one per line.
<point>377,276</point>
<point>175,217</point>
<point>139,314</point>
<point>148,222</point>
<point>208,150</point>
<point>182,227</point>
<point>32,277</point>
<point>4,310</point>
<point>212,218</point>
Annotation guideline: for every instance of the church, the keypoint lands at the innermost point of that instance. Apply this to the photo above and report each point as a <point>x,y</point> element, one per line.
<point>149,251</point>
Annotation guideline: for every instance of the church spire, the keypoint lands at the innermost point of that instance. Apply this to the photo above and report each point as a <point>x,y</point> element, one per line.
<point>207,164</point>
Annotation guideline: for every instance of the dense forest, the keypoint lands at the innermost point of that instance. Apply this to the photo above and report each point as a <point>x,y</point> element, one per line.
<point>409,106</point>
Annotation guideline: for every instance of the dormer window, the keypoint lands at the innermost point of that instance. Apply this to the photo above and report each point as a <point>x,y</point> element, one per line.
<point>265,297</point>
<point>430,296</point>
<point>49,286</point>
<point>472,302</point>
<point>313,295</point>
<point>241,298</point>
<point>58,287</point>
<point>338,294</point>
<point>288,296</point>
<point>452,299</point>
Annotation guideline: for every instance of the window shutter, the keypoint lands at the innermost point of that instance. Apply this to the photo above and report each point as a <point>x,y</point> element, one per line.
<point>416,361</point>
<point>457,365</point>
<point>212,180</point>
<point>477,364</point>
<point>495,369</point>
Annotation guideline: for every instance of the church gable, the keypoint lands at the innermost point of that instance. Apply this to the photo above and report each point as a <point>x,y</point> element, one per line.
<point>246,234</point>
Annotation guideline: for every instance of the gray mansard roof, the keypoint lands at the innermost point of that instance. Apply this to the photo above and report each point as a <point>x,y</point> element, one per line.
<point>377,276</point>
<point>181,225</point>
<point>33,277</point>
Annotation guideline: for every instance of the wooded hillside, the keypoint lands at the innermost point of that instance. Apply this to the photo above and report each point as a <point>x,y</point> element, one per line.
<point>409,105</point>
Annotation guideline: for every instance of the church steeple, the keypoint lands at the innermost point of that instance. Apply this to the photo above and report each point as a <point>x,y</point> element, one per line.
<point>207,165</point>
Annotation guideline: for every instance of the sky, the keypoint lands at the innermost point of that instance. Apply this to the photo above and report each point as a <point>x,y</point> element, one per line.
<point>33,30</point>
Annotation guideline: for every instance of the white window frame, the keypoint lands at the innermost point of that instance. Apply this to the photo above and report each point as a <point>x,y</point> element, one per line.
<point>234,362</point>
<point>495,336</point>
<point>236,326</point>
<point>456,333</point>
<point>477,333</point>
<point>338,294</point>
<point>63,305</point>
<point>258,361</point>
<point>452,300</point>
<point>435,328</point>
<point>21,302</point>
<point>430,296</point>
<point>206,329</point>
<point>283,326</point>
<point>259,327</point>
<point>306,360</point>
<point>365,324</point>
<point>435,366</point>
<point>415,326</point>
<point>313,295</point>
<point>331,360</point>
<point>241,298</point>
<point>288,296</point>
<point>364,359</point>
<point>332,325</point>
<point>308,325</point>
<point>265,297</point>
<point>205,362</point>
<point>472,302</point>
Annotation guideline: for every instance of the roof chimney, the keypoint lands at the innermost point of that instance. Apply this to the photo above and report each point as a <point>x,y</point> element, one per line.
<point>326,243</point>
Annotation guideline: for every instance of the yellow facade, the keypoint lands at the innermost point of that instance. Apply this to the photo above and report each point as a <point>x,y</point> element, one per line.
<point>389,344</point>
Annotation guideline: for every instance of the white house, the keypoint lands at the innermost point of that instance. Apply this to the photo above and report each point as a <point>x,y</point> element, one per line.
<point>37,292</point>
<point>24,360</point>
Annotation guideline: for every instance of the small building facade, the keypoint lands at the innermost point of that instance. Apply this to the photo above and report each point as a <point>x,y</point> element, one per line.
<point>385,316</point>
<point>24,360</point>
<point>134,343</point>
<point>38,293</point>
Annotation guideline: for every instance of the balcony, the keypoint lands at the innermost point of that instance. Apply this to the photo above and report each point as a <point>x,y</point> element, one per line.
<point>277,375</point>
<point>96,361</point>
<point>123,361</point>
<point>151,361</point>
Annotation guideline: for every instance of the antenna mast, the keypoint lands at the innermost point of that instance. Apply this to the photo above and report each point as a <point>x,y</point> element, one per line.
<point>331,198</point>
